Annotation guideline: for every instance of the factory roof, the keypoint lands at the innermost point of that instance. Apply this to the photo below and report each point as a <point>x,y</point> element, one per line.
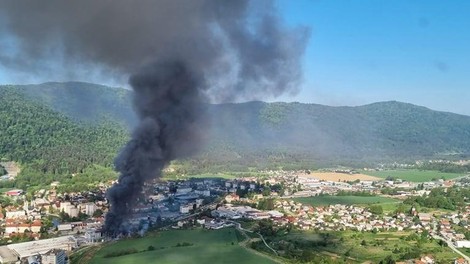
<point>6,255</point>
<point>31,248</point>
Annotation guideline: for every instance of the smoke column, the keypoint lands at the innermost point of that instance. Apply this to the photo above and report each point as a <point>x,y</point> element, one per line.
<point>177,55</point>
<point>168,101</point>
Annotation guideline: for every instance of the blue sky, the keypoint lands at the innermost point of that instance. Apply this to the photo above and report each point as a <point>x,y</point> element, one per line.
<point>364,51</point>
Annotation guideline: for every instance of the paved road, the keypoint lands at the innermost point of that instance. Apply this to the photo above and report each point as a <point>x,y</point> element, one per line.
<point>451,246</point>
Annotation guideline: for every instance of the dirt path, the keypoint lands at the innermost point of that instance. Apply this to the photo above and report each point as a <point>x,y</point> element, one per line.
<point>245,242</point>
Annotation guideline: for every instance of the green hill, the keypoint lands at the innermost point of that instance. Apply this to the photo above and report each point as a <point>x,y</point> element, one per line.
<point>198,246</point>
<point>49,144</point>
<point>83,101</point>
<point>58,121</point>
<point>380,131</point>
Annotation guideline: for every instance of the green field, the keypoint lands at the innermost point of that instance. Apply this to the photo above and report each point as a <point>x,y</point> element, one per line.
<point>366,247</point>
<point>207,246</point>
<point>413,175</point>
<point>466,251</point>
<point>378,246</point>
<point>327,200</point>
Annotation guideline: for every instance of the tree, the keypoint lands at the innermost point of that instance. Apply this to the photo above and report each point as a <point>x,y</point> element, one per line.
<point>388,260</point>
<point>401,208</point>
<point>159,221</point>
<point>265,227</point>
<point>442,243</point>
<point>424,234</point>
<point>266,191</point>
<point>98,213</point>
<point>376,209</point>
<point>266,204</point>
<point>2,170</point>
<point>467,235</point>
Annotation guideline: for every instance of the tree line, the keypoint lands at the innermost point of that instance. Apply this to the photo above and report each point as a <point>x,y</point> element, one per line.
<point>450,198</point>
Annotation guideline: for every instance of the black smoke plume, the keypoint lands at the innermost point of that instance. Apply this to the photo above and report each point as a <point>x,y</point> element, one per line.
<point>169,103</point>
<point>179,54</point>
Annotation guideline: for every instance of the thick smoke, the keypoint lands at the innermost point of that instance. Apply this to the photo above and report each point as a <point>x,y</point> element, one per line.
<point>169,103</point>
<point>178,55</point>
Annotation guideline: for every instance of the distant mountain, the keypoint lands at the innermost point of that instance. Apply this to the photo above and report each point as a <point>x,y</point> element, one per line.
<point>379,131</point>
<point>83,101</point>
<point>258,133</point>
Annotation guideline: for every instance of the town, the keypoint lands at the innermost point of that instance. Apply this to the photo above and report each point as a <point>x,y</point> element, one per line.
<point>48,225</point>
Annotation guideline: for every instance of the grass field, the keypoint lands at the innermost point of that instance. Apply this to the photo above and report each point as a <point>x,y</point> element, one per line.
<point>207,246</point>
<point>378,246</point>
<point>413,175</point>
<point>366,247</point>
<point>466,251</point>
<point>327,200</point>
<point>392,206</point>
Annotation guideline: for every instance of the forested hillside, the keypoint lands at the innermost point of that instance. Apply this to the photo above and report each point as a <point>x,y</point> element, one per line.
<point>376,132</point>
<point>51,144</point>
<point>65,127</point>
<point>83,101</point>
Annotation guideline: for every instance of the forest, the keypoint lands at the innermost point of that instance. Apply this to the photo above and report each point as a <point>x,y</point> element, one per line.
<point>444,198</point>
<point>50,146</point>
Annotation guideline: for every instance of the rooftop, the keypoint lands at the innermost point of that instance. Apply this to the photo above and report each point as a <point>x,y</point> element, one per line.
<point>27,249</point>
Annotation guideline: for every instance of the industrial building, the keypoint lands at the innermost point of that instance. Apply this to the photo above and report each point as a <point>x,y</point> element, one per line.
<point>14,252</point>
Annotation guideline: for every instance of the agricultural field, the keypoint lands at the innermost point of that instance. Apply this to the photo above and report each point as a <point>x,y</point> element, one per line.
<point>391,207</point>
<point>413,175</point>
<point>361,247</point>
<point>358,200</point>
<point>374,247</point>
<point>181,246</point>
<point>334,176</point>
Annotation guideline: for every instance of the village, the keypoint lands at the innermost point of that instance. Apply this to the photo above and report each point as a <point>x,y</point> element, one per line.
<point>55,223</point>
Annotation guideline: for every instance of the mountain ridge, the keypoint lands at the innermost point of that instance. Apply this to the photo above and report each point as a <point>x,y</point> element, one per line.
<point>269,133</point>
<point>71,84</point>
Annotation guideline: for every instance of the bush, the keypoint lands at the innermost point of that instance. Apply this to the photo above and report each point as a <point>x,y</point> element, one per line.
<point>121,253</point>
<point>184,244</point>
